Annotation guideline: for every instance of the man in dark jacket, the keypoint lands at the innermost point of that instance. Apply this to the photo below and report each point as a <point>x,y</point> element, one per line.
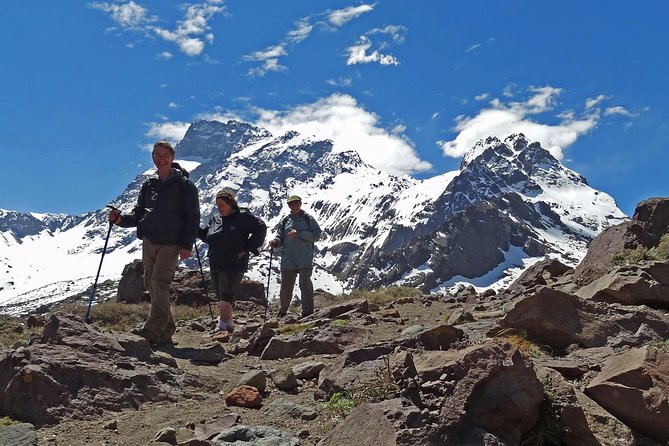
<point>231,236</point>
<point>296,235</point>
<point>167,216</point>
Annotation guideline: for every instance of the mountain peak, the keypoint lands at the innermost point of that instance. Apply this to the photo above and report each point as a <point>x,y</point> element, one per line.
<point>216,140</point>
<point>511,146</point>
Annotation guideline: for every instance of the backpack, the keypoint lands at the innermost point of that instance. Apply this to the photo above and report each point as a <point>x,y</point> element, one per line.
<point>307,218</point>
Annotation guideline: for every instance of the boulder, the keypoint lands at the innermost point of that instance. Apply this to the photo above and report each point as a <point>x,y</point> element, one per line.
<point>558,319</point>
<point>317,340</point>
<point>634,386</point>
<point>543,273</point>
<point>646,283</point>
<point>75,371</point>
<point>368,424</point>
<point>649,222</point>
<point>361,367</point>
<point>494,390</point>
<point>131,286</point>
<point>581,420</point>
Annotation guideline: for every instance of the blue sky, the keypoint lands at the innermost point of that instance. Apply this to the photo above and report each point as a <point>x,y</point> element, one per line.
<point>88,86</point>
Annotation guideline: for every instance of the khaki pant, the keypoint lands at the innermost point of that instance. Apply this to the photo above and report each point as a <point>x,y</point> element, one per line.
<point>160,263</point>
<point>306,290</point>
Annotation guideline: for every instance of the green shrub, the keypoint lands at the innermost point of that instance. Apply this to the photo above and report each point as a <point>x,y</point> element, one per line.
<point>339,322</point>
<point>289,329</point>
<point>382,387</point>
<point>662,250</point>
<point>631,256</point>
<point>342,403</point>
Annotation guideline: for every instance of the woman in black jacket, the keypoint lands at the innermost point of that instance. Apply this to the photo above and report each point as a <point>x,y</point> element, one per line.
<point>231,236</point>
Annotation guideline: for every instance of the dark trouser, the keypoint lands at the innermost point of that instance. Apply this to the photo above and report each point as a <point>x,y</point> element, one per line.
<point>160,262</point>
<point>306,290</point>
<point>225,284</point>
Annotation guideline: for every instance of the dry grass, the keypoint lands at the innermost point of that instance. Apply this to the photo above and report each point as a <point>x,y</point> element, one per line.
<point>124,316</point>
<point>526,347</point>
<point>382,296</point>
<point>12,329</point>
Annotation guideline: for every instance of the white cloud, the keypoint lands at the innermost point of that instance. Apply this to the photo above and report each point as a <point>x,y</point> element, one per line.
<point>618,110</point>
<point>341,119</point>
<point>342,16</point>
<point>168,131</point>
<point>502,120</point>
<point>357,54</point>
<point>165,55</point>
<point>482,97</point>
<point>396,32</point>
<point>269,58</point>
<point>592,102</point>
<point>473,47</point>
<point>301,31</point>
<point>508,90</point>
<point>172,105</point>
<point>340,82</point>
<point>190,35</point>
<point>128,15</point>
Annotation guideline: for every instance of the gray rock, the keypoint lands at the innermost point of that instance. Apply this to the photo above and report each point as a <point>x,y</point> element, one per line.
<point>19,434</point>
<point>254,378</point>
<point>308,370</point>
<point>255,436</point>
<point>295,411</point>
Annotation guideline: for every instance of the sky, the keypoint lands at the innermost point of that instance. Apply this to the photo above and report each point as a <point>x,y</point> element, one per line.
<point>87,87</point>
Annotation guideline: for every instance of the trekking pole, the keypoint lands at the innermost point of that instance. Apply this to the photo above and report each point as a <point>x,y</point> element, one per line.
<point>269,274</point>
<point>204,282</point>
<point>95,284</point>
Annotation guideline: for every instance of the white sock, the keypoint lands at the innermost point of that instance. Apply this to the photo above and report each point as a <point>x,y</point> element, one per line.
<point>222,325</point>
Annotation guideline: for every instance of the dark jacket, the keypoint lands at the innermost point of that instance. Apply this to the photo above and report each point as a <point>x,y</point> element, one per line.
<point>166,213</point>
<point>297,253</point>
<point>231,238</point>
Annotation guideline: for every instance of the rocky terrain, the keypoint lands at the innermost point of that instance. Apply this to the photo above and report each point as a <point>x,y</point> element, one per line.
<point>563,356</point>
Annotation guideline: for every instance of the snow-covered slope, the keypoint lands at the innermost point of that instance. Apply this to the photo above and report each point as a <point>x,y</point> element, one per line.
<point>510,204</point>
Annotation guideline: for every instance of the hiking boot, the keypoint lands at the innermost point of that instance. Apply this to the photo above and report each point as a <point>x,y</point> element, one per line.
<point>144,333</point>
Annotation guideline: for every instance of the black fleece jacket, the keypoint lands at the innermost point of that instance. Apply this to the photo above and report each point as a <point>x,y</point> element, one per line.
<point>231,238</point>
<point>166,213</point>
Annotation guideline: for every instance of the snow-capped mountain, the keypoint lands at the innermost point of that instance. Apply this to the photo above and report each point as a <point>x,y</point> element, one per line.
<point>510,204</point>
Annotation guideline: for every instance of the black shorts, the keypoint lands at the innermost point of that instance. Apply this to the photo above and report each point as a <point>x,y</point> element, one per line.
<point>225,284</point>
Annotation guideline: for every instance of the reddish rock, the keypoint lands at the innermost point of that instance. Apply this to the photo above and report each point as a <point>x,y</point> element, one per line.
<point>244,396</point>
